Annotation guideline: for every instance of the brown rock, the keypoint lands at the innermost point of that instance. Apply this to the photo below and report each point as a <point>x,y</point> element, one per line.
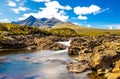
<point>77,67</point>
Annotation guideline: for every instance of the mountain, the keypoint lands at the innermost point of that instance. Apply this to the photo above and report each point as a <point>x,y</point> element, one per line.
<point>32,21</point>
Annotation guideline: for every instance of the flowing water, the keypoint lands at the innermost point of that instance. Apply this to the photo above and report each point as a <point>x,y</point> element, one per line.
<point>36,65</point>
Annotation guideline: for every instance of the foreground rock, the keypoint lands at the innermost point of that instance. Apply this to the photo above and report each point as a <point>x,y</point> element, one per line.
<point>82,45</point>
<point>77,67</point>
<point>102,56</point>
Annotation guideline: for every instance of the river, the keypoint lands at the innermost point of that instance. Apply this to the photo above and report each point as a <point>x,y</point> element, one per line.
<point>44,64</point>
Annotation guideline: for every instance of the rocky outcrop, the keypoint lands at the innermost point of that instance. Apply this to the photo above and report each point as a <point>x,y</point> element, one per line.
<point>103,56</point>
<point>115,72</point>
<point>48,44</point>
<point>31,42</point>
<point>82,45</point>
<point>12,43</point>
<point>77,67</point>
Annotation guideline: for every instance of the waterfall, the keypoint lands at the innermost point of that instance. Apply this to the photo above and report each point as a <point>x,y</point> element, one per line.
<point>66,43</point>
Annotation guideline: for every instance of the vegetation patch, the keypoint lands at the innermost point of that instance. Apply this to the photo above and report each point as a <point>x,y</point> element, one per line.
<point>65,32</point>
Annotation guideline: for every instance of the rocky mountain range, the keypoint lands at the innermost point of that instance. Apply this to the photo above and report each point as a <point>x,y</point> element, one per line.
<point>32,21</point>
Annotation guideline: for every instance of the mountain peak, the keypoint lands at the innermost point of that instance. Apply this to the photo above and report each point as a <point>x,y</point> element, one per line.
<point>31,17</point>
<point>32,21</point>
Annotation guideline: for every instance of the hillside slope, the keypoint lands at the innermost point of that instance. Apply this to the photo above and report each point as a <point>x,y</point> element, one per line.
<point>81,30</point>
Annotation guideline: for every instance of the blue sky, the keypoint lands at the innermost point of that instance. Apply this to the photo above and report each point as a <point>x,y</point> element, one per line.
<point>89,13</point>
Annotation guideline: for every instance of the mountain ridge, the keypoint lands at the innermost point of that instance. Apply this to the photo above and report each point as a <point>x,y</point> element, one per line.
<point>32,21</point>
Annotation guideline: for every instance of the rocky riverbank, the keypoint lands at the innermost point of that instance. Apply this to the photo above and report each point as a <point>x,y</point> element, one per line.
<point>100,54</point>
<point>31,42</point>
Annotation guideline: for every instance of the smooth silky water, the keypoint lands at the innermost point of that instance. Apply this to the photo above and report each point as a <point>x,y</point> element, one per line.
<point>36,65</point>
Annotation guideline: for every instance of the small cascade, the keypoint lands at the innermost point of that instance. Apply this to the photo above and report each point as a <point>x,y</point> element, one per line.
<point>66,43</point>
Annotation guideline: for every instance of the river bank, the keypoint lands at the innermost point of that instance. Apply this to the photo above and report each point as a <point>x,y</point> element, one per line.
<point>31,42</point>
<point>100,54</point>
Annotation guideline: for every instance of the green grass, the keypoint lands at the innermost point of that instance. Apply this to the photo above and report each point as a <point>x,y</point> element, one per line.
<point>65,32</point>
<point>15,29</point>
<point>84,31</point>
<point>65,29</point>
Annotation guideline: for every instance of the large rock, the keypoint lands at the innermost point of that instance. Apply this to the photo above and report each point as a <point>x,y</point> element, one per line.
<point>115,73</point>
<point>47,44</point>
<point>12,43</point>
<point>77,67</point>
<point>82,45</point>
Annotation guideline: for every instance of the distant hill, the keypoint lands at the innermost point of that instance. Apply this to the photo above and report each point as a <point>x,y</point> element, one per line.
<point>32,21</point>
<point>81,30</point>
<point>68,25</point>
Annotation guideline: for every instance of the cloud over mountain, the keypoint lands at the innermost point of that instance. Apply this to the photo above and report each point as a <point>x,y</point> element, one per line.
<point>51,9</point>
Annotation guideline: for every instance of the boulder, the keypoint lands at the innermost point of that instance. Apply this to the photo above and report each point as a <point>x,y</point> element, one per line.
<point>77,67</point>
<point>46,44</point>
<point>80,45</point>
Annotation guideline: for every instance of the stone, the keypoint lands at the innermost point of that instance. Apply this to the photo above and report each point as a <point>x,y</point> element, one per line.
<point>77,67</point>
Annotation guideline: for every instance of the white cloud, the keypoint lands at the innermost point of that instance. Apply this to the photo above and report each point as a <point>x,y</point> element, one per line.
<point>76,23</point>
<point>4,20</point>
<point>113,26</point>
<point>103,10</point>
<point>110,27</point>
<point>52,9</point>
<point>86,10</point>
<point>82,17</point>
<point>68,7</point>
<point>118,27</point>
<point>11,3</point>
<point>41,0</point>
<point>17,10</point>
<point>93,9</point>
<point>21,18</point>
<point>88,25</point>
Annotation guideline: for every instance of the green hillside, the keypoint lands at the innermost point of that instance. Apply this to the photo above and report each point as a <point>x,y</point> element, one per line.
<point>87,31</point>
<point>65,29</point>
<point>15,29</point>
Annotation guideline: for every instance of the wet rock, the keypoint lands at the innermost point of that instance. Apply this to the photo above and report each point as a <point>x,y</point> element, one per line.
<point>80,45</point>
<point>73,50</point>
<point>46,44</point>
<point>11,43</point>
<point>33,47</point>
<point>77,67</point>
<point>84,57</point>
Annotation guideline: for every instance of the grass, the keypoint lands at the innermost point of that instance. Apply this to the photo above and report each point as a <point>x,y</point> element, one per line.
<point>65,32</point>
<point>65,29</point>
<point>84,31</point>
<point>15,29</point>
